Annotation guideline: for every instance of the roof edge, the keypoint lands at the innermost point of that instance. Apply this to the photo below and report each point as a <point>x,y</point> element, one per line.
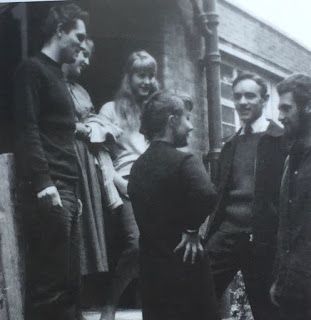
<point>248,13</point>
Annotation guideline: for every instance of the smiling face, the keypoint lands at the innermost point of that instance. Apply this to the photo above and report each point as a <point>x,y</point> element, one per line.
<point>248,101</point>
<point>141,82</point>
<point>72,41</point>
<point>75,69</point>
<point>142,69</point>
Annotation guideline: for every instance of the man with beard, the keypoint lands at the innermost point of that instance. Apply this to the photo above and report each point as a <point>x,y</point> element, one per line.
<point>171,195</point>
<point>242,231</point>
<point>47,168</point>
<point>291,290</point>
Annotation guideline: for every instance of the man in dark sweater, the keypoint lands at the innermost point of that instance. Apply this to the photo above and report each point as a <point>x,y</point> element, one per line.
<point>171,195</point>
<point>245,207</point>
<point>47,168</point>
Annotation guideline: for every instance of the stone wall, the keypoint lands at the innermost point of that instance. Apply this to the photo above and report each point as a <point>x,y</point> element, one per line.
<point>182,69</point>
<point>257,38</point>
<point>10,258</point>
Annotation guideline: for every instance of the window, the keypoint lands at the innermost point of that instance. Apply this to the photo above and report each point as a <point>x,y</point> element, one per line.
<point>229,118</point>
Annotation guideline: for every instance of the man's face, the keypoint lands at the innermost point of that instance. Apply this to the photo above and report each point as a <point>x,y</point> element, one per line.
<point>72,42</point>
<point>181,131</point>
<point>248,101</point>
<point>289,114</point>
<point>81,62</point>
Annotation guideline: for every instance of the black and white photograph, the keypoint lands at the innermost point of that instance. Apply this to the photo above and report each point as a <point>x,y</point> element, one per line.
<point>155,160</point>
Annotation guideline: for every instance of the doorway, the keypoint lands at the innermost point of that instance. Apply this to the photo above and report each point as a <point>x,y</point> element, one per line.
<point>118,28</point>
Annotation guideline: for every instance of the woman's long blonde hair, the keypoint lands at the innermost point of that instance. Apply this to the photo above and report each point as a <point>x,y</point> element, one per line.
<point>127,107</point>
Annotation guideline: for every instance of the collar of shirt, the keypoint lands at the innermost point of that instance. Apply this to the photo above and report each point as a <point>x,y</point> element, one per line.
<point>260,125</point>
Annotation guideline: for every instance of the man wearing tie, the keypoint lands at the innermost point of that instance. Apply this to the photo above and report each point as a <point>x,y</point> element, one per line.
<point>243,226</point>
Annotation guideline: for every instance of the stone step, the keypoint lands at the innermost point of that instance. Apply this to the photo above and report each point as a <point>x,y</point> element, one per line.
<point>127,314</point>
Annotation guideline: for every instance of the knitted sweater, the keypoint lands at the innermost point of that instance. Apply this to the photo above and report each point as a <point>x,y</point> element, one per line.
<point>241,191</point>
<point>44,117</point>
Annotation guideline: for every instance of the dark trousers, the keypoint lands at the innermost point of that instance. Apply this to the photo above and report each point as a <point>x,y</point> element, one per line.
<point>128,235</point>
<point>52,257</point>
<point>173,290</point>
<point>231,252</point>
<point>294,296</point>
<point>295,310</point>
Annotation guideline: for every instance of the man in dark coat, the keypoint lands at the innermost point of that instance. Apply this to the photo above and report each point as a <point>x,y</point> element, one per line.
<point>291,290</point>
<point>47,168</point>
<point>171,195</point>
<point>244,224</point>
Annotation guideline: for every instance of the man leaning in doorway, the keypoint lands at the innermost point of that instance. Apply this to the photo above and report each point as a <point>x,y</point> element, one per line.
<point>46,161</point>
<point>291,290</point>
<point>244,225</point>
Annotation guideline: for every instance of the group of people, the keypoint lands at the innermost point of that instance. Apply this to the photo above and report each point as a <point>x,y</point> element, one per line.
<point>82,173</point>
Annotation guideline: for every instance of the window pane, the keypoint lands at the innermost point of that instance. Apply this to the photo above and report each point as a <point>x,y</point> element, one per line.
<point>226,72</point>
<point>227,130</point>
<point>226,91</point>
<point>228,115</point>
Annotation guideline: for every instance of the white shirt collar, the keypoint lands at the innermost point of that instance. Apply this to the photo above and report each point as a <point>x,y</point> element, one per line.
<point>259,125</point>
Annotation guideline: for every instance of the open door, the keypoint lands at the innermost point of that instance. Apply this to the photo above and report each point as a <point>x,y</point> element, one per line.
<point>10,55</point>
<point>118,28</point>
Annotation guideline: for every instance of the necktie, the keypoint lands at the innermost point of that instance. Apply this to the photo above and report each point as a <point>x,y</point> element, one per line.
<point>248,129</point>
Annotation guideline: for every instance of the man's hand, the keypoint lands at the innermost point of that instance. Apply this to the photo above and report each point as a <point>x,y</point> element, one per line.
<point>273,294</point>
<point>49,197</point>
<point>82,131</point>
<point>191,244</point>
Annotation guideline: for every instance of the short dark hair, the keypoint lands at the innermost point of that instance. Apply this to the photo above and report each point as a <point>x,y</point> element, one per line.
<point>251,76</point>
<point>158,108</point>
<point>300,86</point>
<point>65,15</point>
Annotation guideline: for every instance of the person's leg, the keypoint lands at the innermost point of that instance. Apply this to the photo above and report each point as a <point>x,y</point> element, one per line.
<point>291,309</point>
<point>174,290</point>
<point>127,267</point>
<point>52,280</point>
<point>294,297</point>
<point>75,279</point>
<point>198,300</point>
<point>223,260</point>
<point>256,284</point>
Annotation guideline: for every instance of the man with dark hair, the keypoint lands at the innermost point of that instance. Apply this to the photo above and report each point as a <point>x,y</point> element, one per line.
<point>171,195</point>
<point>241,233</point>
<point>47,169</point>
<point>291,290</point>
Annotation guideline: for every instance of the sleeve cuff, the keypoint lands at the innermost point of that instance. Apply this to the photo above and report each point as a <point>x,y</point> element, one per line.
<point>42,181</point>
<point>191,231</point>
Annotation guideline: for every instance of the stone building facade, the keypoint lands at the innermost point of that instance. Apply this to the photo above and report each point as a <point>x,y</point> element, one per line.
<point>168,31</point>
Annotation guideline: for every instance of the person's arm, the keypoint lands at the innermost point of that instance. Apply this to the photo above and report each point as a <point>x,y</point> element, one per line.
<point>200,195</point>
<point>200,198</point>
<point>120,183</point>
<point>27,109</point>
<point>107,111</point>
<point>78,93</point>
